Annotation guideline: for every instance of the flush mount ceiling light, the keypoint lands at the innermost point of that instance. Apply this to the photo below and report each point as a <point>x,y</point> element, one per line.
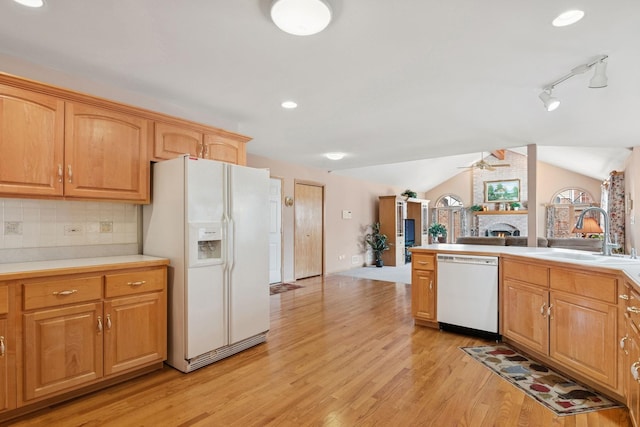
<point>598,80</point>
<point>334,156</point>
<point>289,105</point>
<point>567,18</point>
<point>301,17</point>
<point>30,3</point>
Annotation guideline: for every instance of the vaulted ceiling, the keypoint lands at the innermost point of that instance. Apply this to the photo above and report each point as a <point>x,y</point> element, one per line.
<point>387,82</point>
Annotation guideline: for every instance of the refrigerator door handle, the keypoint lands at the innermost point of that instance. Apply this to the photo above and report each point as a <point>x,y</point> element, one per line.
<point>230,246</point>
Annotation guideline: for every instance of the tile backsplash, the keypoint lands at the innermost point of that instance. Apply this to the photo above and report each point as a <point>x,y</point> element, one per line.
<point>29,223</point>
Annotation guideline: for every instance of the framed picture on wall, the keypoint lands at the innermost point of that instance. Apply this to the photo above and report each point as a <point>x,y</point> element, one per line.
<point>506,190</point>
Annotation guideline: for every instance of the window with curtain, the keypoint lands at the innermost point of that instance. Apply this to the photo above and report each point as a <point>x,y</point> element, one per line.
<point>563,211</point>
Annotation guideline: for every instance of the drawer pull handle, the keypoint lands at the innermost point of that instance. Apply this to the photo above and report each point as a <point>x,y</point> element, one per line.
<point>542,309</point>
<point>3,349</point>
<point>69,173</point>
<point>634,310</point>
<point>138,283</point>
<point>423,262</point>
<point>549,311</point>
<point>65,293</point>
<point>623,343</point>
<point>60,173</point>
<point>431,285</point>
<point>634,371</point>
<point>99,324</point>
<point>624,297</point>
<point>108,321</point>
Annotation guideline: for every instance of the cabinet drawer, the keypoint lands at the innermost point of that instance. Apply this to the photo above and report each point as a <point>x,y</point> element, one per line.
<point>4,299</point>
<point>423,261</point>
<point>590,285</point>
<point>61,292</point>
<point>135,282</point>
<point>525,272</point>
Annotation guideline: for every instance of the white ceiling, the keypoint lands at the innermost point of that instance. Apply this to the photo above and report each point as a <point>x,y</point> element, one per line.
<point>387,82</point>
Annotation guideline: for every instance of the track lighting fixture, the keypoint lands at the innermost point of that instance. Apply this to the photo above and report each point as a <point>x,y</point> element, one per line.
<point>550,103</point>
<point>598,80</point>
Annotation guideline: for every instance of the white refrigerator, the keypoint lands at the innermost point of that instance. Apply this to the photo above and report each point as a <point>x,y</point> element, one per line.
<point>211,219</point>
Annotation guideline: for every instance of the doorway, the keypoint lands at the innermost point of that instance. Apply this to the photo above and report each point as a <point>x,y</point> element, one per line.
<point>308,230</point>
<point>275,230</point>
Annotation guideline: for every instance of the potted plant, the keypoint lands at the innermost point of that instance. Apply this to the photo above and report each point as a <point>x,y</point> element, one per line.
<point>515,206</point>
<point>438,232</point>
<point>408,194</point>
<point>475,208</point>
<point>378,243</point>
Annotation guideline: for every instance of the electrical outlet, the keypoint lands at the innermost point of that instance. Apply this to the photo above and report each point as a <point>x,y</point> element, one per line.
<point>72,230</point>
<point>106,226</point>
<point>13,228</point>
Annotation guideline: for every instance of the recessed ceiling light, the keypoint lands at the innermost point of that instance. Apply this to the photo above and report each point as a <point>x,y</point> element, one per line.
<point>30,3</point>
<point>289,105</point>
<point>567,18</point>
<point>301,17</point>
<point>334,156</point>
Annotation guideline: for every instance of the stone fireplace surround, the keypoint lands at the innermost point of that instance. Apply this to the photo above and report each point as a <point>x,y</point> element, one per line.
<point>486,223</point>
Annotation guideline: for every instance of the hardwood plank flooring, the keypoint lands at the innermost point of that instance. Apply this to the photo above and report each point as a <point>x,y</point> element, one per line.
<point>341,352</point>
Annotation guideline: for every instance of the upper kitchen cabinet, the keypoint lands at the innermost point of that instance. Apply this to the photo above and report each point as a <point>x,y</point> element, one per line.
<point>177,139</point>
<point>171,141</point>
<point>226,147</point>
<point>31,143</point>
<point>105,154</point>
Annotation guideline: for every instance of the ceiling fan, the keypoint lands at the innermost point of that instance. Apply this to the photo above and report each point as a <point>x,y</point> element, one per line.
<point>484,165</point>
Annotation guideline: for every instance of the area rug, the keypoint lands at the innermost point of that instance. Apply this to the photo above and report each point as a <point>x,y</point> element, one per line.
<point>558,393</point>
<point>282,287</point>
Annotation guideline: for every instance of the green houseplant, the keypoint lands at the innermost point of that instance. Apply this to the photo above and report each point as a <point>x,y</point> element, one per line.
<point>515,206</point>
<point>437,232</point>
<point>378,243</point>
<point>409,194</point>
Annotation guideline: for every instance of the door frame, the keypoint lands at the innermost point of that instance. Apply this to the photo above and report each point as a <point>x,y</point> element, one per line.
<point>282,206</point>
<point>322,233</point>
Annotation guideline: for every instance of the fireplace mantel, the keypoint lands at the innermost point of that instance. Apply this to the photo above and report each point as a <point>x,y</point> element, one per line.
<point>500,213</point>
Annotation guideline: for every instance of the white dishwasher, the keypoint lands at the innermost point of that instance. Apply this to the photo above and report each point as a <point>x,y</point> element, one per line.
<point>468,292</point>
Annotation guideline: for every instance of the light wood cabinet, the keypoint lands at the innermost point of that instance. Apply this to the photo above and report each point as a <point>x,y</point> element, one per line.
<point>105,154</point>
<point>31,143</point>
<point>7,349</point>
<point>564,314</point>
<point>82,329</point>
<point>173,140</point>
<point>393,211</point>
<point>423,289</point>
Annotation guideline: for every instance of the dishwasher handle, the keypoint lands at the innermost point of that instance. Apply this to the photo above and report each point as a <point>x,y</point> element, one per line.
<point>468,259</point>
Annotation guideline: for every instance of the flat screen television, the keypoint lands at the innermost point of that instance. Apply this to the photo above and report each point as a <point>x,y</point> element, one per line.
<point>409,232</point>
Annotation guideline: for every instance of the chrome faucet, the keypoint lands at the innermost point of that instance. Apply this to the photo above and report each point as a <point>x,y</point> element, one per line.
<point>606,242</point>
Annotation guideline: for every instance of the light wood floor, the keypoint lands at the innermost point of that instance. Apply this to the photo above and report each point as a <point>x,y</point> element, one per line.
<point>341,352</point>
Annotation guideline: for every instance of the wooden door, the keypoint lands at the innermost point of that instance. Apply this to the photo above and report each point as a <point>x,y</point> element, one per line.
<point>105,154</point>
<point>309,230</point>
<point>171,141</point>
<point>62,349</point>
<point>226,147</point>
<point>583,336</point>
<point>525,315</point>
<point>135,332</point>
<point>31,143</point>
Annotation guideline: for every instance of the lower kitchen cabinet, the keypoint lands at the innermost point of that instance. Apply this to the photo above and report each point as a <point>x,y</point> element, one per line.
<point>423,289</point>
<point>565,315</point>
<point>79,330</point>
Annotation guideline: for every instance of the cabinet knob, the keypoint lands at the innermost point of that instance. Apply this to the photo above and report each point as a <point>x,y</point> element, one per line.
<point>542,309</point>
<point>69,173</point>
<point>624,297</point>
<point>623,343</point>
<point>633,309</point>
<point>3,348</point>
<point>99,324</point>
<point>60,173</point>
<point>108,321</point>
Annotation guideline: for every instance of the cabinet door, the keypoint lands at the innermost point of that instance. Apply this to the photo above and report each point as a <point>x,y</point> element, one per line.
<point>226,147</point>
<point>632,373</point>
<point>135,332</point>
<point>31,143</point>
<point>524,317</point>
<point>583,336</point>
<point>4,365</point>
<point>62,349</point>
<point>171,141</point>
<point>423,295</point>
<point>105,154</point>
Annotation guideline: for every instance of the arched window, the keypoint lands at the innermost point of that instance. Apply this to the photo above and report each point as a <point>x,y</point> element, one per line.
<point>448,212</point>
<point>563,211</point>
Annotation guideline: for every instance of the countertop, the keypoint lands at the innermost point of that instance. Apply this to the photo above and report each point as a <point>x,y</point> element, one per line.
<point>630,267</point>
<point>12,271</point>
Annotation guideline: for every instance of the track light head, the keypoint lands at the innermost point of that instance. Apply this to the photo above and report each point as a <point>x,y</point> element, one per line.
<point>599,78</point>
<point>550,103</point>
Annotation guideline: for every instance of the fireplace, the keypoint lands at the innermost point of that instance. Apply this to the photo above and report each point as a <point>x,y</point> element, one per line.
<point>501,229</point>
